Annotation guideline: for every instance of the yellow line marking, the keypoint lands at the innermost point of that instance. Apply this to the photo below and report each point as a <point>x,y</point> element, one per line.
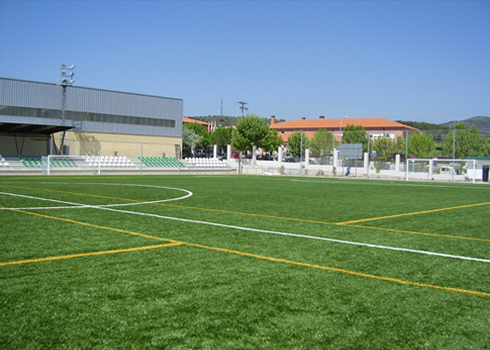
<point>177,206</point>
<point>354,273</point>
<point>92,225</point>
<point>415,213</point>
<point>344,271</point>
<point>246,214</point>
<point>346,223</point>
<point>418,233</point>
<point>76,193</point>
<point>89,254</point>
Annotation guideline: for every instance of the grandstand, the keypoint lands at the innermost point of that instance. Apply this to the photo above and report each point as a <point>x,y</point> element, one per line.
<point>71,164</point>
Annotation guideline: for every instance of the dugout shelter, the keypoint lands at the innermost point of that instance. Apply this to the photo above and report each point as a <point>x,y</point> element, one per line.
<point>96,122</point>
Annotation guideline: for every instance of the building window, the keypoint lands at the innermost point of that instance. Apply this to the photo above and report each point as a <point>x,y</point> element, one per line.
<point>85,116</point>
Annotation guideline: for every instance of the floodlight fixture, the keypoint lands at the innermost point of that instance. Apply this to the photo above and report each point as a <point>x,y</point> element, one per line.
<point>67,72</point>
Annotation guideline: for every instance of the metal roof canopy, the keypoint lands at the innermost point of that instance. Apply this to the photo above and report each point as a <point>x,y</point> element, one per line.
<point>32,128</point>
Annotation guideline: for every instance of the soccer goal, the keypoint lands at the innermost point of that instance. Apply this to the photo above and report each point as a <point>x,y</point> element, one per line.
<point>66,164</point>
<point>441,169</point>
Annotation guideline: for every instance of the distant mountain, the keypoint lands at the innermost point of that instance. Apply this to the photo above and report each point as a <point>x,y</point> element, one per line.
<point>482,124</point>
<point>423,125</point>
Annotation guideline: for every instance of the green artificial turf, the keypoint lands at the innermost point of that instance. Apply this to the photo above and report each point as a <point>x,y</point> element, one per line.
<point>237,265</point>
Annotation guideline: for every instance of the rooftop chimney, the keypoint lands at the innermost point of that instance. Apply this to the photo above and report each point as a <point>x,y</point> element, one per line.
<point>273,119</point>
<point>303,118</point>
<point>322,117</point>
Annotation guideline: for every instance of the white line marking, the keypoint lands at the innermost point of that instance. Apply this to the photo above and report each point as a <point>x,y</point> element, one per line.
<point>387,183</point>
<point>241,228</point>
<point>78,205</point>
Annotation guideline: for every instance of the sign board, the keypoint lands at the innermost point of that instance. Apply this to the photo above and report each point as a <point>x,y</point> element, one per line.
<point>350,150</point>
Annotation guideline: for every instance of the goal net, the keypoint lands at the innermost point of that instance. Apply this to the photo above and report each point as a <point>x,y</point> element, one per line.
<point>441,169</point>
<point>66,164</point>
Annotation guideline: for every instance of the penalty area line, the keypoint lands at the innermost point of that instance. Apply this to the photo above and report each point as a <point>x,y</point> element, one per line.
<point>89,254</point>
<point>176,243</point>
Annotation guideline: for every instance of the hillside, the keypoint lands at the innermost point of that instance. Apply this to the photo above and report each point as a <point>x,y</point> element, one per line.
<point>482,123</point>
<point>423,125</point>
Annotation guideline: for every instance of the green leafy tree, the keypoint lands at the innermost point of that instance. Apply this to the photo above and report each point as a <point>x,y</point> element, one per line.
<point>421,145</point>
<point>355,134</point>
<point>385,148</point>
<point>190,140</point>
<point>469,143</point>
<point>401,145</point>
<point>321,144</point>
<point>273,141</point>
<point>222,137</point>
<point>200,137</point>
<point>294,143</point>
<point>250,131</point>
<point>196,127</point>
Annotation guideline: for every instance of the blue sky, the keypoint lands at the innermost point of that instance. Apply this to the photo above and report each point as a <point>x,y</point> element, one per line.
<point>409,60</point>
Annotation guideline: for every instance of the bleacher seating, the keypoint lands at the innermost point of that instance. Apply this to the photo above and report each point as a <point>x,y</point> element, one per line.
<point>206,162</point>
<point>37,162</point>
<point>153,162</point>
<point>109,161</point>
<point>3,162</point>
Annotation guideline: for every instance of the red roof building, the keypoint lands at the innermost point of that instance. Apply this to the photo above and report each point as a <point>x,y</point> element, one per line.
<point>376,127</point>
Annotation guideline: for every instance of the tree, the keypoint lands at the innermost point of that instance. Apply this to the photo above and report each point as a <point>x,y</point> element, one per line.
<point>273,141</point>
<point>356,134</point>
<point>421,145</point>
<point>321,144</point>
<point>196,127</point>
<point>222,137</point>
<point>468,142</point>
<point>251,131</point>
<point>294,143</point>
<point>385,148</point>
<point>190,140</point>
<point>401,145</point>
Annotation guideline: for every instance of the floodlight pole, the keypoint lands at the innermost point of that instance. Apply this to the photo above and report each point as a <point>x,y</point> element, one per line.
<point>340,128</point>
<point>66,79</point>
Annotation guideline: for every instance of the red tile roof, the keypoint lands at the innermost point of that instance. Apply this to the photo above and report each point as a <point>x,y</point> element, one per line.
<point>315,124</point>
<point>190,120</point>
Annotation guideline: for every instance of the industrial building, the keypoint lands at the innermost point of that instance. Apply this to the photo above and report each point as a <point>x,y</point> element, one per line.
<point>43,118</point>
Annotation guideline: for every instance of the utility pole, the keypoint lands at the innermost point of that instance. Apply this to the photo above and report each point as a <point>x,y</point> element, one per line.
<point>242,107</point>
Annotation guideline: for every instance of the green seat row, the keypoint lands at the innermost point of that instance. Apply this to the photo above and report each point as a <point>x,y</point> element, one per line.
<point>160,162</point>
<point>35,161</point>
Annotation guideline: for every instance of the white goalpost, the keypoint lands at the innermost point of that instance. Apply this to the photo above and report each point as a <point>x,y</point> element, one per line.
<point>69,164</point>
<point>441,169</point>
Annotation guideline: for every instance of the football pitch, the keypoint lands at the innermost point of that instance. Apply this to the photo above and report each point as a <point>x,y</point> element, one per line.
<point>242,262</point>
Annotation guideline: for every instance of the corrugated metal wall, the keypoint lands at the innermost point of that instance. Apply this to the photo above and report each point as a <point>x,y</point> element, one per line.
<point>29,94</point>
<point>43,95</point>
